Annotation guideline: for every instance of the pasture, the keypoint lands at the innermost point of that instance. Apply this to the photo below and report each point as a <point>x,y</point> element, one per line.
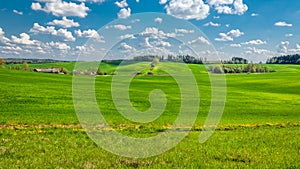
<point>259,127</point>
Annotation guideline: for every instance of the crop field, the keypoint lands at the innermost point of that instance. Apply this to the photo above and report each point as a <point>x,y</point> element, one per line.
<point>260,126</point>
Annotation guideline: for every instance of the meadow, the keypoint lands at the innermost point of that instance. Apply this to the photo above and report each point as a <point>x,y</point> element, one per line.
<point>259,127</point>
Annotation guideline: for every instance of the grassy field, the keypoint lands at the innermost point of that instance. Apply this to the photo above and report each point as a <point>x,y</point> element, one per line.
<point>259,128</point>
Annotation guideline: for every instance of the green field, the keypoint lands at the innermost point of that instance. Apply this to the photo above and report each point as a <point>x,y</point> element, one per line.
<point>259,128</point>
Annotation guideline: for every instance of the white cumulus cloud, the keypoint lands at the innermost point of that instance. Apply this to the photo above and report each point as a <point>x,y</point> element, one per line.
<point>90,33</point>
<point>158,20</point>
<point>59,45</point>
<point>188,9</point>
<point>229,36</point>
<point>183,31</point>
<point>228,6</point>
<point>255,42</point>
<point>92,1</point>
<point>65,23</point>
<point>121,4</point>
<point>126,47</point>
<point>124,13</point>
<point>283,47</point>
<point>24,39</point>
<point>62,8</point>
<point>3,39</point>
<point>200,39</point>
<point>122,27</point>
<point>282,24</point>
<point>63,33</point>
<point>163,2</point>
<point>236,45</point>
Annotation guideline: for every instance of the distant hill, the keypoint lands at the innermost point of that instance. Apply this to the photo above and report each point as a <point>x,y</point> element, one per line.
<point>34,61</point>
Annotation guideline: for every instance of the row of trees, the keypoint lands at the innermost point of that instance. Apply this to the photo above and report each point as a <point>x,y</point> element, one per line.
<point>236,60</point>
<point>171,58</point>
<point>249,68</point>
<point>288,59</point>
<point>29,61</point>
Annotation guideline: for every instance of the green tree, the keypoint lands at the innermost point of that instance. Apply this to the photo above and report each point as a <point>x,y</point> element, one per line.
<point>218,69</point>
<point>99,72</point>
<point>154,62</point>
<point>25,66</point>
<point>63,70</point>
<point>2,63</point>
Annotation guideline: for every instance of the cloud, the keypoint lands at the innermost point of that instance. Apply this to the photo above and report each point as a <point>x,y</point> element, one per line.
<point>87,49</point>
<point>62,8</point>
<point>124,13</point>
<point>156,34</point>
<point>90,33</point>
<point>163,2</point>
<point>43,30</point>
<point>59,45</point>
<point>65,23</point>
<point>212,24</point>
<point>121,4</point>
<point>64,33</point>
<point>200,39</point>
<point>122,27</point>
<point>158,20</point>
<point>228,6</point>
<point>283,47</point>
<point>146,43</point>
<point>119,27</point>
<point>296,49</point>
<point>254,14</point>
<point>11,50</point>
<point>155,43</point>
<point>3,39</point>
<point>18,12</point>
<point>127,48</point>
<point>253,50</point>
<point>127,36</point>
<point>92,1</point>
<point>255,42</point>
<point>188,9</point>
<point>289,35</point>
<point>282,24</point>
<point>236,45</point>
<point>183,31</point>
<point>23,40</point>
<point>219,2</point>
<point>229,36</point>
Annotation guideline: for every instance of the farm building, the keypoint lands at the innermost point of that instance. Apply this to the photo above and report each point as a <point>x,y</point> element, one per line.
<point>47,70</point>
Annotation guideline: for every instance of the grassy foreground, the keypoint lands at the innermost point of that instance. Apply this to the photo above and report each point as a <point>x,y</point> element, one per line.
<point>259,128</point>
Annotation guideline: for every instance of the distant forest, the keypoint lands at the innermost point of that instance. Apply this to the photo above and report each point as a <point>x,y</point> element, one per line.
<point>171,58</point>
<point>29,61</point>
<point>288,59</point>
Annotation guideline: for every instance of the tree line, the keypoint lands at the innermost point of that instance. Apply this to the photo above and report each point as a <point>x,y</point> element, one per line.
<point>170,58</point>
<point>249,68</point>
<point>287,59</point>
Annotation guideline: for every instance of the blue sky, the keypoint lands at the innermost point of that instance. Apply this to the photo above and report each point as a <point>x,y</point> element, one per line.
<point>59,29</point>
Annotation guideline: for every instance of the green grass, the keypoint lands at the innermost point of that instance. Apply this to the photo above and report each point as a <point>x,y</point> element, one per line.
<point>259,127</point>
<point>265,147</point>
